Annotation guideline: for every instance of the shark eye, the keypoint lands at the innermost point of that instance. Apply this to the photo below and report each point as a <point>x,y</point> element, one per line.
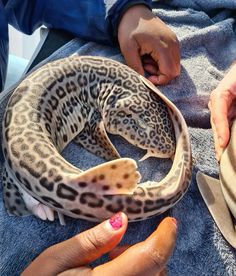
<point>142,124</point>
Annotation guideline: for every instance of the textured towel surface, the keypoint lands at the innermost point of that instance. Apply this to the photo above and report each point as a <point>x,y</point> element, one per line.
<point>208,42</point>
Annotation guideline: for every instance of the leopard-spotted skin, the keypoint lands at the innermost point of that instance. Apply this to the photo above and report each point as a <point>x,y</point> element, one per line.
<point>81,98</point>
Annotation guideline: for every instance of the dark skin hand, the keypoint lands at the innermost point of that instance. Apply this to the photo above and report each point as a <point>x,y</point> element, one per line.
<point>73,256</point>
<point>148,44</point>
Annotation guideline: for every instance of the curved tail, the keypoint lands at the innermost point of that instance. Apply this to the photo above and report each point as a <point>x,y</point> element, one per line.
<point>171,189</point>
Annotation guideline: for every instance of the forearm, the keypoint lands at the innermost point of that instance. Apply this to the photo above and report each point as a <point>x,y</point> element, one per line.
<point>88,19</point>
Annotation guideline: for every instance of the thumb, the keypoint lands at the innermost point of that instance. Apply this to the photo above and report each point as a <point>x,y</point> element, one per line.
<point>81,249</point>
<point>145,258</point>
<point>220,100</point>
<point>132,57</point>
<point>160,79</point>
<point>163,239</point>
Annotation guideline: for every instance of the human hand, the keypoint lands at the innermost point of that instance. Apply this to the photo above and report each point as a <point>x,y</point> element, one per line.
<point>222,105</point>
<point>72,256</point>
<point>142,34</point>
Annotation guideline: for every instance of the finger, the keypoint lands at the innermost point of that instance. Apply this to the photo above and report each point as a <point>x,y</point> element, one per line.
<point>78,271</point>
<point>132,57</point>
<point>218,149</point>
<point>88,271</point>
<point>151,69</point>
<point>163,272</point>
<point>150,66</point>
<point>216,143</point>
<point>219,107</point>
<point>145,258</point>
<point>148,59</point>
<point>81,249</point>
<point>159,80</point>
<point>168,59</point>
<point>118,251</point>
<point>232,112</point>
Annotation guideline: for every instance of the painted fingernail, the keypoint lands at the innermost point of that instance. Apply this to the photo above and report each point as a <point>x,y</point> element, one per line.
<point>174,221</point>
<point>116,221</point>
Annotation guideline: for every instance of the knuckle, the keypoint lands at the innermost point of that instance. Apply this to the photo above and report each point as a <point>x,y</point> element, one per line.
<point>136,67</point>
<point>92,240</point>
<point>214,119</point>
<point>212,95</point>
<point>51,256</point>
<point>209,105</point>
<point>175,73</point>
<point>175,39</point>
<point>166,81</point>
<point>157,258</point>
<point>125,47</point>
<point>124,50</point>
<point>171,75</point>
<point>128,46</point>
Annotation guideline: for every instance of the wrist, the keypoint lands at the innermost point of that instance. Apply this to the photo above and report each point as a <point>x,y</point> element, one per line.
<point>137,10</point>
<point>116,13</point>
<point>130,18</point>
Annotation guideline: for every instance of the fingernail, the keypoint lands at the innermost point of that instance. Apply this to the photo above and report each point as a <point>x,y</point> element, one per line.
<point>116,221</point>
<point>220,141</point>
<point>174,221</point>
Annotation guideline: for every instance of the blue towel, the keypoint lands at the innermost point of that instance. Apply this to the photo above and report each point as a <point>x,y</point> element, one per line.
<point>208,43</point>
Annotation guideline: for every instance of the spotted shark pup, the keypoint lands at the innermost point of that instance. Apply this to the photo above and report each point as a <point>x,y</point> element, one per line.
<point>82,98</point>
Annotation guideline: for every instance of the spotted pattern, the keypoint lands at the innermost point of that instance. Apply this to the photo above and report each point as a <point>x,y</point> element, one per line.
<point>83,98</point>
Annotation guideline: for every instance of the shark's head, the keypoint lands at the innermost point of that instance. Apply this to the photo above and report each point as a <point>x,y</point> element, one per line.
<point>144,121</point>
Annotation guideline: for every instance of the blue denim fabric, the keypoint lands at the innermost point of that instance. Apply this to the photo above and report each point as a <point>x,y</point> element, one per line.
<point>3,47</point>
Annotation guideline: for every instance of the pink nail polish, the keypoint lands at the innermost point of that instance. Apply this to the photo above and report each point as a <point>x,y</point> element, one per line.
<point>116,221</point>
<point>174,221</point>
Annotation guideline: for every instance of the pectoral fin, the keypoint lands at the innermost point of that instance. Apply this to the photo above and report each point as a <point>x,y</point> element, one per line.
<point>147,155</point>
<point>95,139</point>
<point>115,177</point>
<point>151,153</point>
<point>211,192</point>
